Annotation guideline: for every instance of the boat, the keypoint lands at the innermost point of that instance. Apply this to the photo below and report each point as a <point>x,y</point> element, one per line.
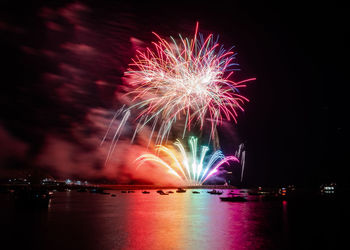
<point>180,190</point>
<point>254,193</point>
<point>162,193</point>
<point>145,192</point>
<point>215,192</point>
<point>233,199</point>
<point>131,191</point>
<point>113,195</point>
<point>195,192</point>
<point>98,191</point>
<point>123,191</point>
<point>259,192</point>
<point>170,192</point>
<point>328,188</point>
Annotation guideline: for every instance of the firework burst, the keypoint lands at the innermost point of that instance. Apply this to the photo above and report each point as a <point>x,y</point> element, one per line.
<point>187,80</point>
<point>180,81</point>
<point>192,168</point>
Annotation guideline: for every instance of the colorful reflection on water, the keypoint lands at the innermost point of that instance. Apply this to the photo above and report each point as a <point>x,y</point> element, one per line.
<point>178,221</point>
<point>186,221</point>
<point>175,221</point>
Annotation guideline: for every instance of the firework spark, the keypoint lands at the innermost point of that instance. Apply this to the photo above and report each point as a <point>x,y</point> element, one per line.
<point>240,154</point>
<point>181,81</point>
<point>191,168</point>
<point>185,79</point>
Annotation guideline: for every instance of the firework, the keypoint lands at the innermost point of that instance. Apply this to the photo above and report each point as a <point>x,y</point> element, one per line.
<point>240,154</point>
<point>186,81</point>
<point>191,168</point>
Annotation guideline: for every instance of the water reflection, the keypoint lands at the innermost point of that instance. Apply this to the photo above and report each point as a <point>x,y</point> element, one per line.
<point>153,221</point>
<point>192,221</point>
<point>157,221</point>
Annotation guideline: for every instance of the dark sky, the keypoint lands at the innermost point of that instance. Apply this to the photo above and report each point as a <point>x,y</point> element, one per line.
<point>63,62</point>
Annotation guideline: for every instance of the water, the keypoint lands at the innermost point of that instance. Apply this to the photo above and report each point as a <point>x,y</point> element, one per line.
<point>177,221</point>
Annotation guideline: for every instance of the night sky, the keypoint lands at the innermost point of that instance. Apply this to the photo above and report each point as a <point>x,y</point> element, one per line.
<point>63,63</point>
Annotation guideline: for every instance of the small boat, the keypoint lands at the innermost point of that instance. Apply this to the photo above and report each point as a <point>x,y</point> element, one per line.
<point>170,192</point>
<point>180,190</point>
<point>113,195</point>
<point>123,191</point>
<point>254,193</point>
<point>131,191</point>
<point>259,193</point>
<point>195,192</point>
<point>215,192</point>
<point>233,199</point>
<point>328,188</point>
<point>145,192</point>
<point>98,191</point>
<point>162,193</point>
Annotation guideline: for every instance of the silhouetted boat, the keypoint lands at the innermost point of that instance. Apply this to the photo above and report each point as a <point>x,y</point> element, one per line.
<point>215,192</point>
<point>104,193</point>
<point>131,191</point>
<point>113,195</point>
<point>145,192</point>
<point>254,193</point>
<point>123,191</point>
<point>180,190</point>
<point>233,199</point>
<point>170,192</point>
<point>98,191</point>
<point>161,192</point>
<point>195,192</point>
<point>259,193</point>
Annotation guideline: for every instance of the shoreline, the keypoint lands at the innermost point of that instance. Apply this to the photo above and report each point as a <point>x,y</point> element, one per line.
<point>139,187</point>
